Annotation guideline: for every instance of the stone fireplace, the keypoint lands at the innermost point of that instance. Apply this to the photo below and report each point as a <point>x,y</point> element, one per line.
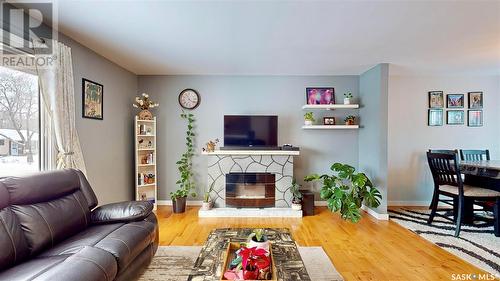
<point>251,183</point>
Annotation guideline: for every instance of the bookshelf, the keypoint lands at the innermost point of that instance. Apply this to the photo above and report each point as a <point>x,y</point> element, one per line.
<point>146,177</point>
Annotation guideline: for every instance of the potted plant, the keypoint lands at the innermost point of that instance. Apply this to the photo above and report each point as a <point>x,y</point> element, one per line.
<point>297,196</point>
<point>258,239</point>
<point>349,120</point>
<point>346,190</point>
<point>185,165</point>
<point>207,201</point>
<point>308,119</point>
<point>347,98</point>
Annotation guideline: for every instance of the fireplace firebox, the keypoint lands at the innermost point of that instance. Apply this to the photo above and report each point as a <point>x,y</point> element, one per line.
<point>250,190</point>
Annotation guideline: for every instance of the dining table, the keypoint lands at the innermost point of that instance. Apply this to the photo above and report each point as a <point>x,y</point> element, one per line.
<point>485,174</point>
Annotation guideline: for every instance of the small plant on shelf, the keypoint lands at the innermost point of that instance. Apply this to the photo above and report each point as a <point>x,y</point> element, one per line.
<point>350,120</point>
<point>347,98</point>
<point>297,196</point>
<point>185,165</point>
<point>309,118</point>
<point>346,190</point>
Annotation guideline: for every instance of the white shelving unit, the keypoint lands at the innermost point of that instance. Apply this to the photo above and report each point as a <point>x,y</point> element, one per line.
<point>146,176</point>
<point>330,106</point>
<point>330,127</point>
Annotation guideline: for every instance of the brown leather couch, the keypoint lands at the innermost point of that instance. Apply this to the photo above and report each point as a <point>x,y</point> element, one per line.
<point>51,230</point>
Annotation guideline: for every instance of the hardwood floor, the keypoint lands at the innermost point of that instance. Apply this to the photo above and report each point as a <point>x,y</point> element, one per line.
<point>369,250</point>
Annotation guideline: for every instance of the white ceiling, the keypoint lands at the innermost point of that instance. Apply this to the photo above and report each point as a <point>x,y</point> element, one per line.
<point>289,37</point>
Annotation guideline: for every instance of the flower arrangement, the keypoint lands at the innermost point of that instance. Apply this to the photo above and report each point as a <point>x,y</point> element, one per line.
<point>143,102</point>
<point>250,264</point>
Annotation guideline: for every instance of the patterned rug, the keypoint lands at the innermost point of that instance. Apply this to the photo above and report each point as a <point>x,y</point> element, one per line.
<point>174,263</point>
<point>476,244</point>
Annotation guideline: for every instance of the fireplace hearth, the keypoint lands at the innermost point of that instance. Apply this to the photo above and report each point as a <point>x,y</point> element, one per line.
<point>250,190</point>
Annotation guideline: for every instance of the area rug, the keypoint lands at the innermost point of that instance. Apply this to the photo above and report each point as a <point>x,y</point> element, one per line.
<point>173,263</point>
<point>476,244</point>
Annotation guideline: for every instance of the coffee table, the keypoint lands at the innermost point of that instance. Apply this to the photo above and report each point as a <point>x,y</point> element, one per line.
<point>289,264</point>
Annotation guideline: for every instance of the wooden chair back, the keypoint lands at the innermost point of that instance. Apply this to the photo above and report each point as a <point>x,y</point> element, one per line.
<point>445,169</point>
<point>474,155</point>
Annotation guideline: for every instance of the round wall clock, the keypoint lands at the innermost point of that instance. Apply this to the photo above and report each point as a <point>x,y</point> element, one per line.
<point>189,99</point>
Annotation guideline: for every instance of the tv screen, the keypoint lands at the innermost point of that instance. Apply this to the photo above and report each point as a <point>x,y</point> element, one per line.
<point>250,130</point>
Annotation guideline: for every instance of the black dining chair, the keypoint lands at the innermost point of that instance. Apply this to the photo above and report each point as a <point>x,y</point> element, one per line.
<point>448,182</point>
<point>447,202</point>
<point>474,154</point>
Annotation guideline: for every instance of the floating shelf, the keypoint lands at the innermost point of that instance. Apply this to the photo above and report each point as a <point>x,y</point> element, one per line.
<point>330,106</point>
<point>145,165</point>
<point>330,127</point>
<point>145,135</point>
<point>147,121</point>
<point>145,149</point>
<point>146,185</point>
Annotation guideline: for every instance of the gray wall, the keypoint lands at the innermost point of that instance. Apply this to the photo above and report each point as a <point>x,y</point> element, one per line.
<point>108,144</point>
<point>280,95</point>
<point>410,182</point>
<point>373,92</point>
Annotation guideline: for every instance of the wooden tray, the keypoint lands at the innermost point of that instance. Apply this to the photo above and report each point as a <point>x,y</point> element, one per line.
<point>231,248</point>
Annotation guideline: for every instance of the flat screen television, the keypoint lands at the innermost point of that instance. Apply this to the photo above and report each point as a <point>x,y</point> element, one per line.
<point>250,131</point>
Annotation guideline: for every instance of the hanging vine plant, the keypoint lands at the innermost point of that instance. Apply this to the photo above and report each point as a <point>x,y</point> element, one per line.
<point>185,164</point>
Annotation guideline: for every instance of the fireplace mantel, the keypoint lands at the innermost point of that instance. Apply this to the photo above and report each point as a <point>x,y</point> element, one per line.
<point>254,152</point>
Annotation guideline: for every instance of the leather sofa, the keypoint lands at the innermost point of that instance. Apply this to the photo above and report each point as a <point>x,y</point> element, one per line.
<point>50,229</point>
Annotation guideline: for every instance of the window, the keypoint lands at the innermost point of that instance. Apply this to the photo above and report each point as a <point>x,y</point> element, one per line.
<point>19,122</point>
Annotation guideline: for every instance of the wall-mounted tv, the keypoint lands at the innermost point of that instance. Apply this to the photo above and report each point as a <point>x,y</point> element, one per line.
<point>250,131</point>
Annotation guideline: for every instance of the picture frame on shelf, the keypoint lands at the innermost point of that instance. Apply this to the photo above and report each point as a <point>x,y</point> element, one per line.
<point>475,118</point>
<point>320,95</point>
<point>455,117</point>
<point>455,101</point>
<point>435,117</point>
<point>475,100</point>
<point>436,99</point>
<point>92,99</point>
<point>328,120</point>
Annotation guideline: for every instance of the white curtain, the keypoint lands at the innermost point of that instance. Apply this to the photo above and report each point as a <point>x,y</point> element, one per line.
<point>58,97</point>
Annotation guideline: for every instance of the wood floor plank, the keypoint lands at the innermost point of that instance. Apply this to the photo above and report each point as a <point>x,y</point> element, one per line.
<point>369,250</point>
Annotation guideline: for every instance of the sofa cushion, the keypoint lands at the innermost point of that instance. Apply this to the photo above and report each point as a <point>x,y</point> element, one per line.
<point>88,237</point>
<point>30,269</point>
<point>128,241</point>
<point>45,224</point>
<point>13,245</point>
<point>88,264</point>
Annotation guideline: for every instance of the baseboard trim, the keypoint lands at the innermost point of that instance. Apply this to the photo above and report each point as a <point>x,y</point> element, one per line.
<point>373,213</point>
<point>409,203</point>
<point>188,202</point>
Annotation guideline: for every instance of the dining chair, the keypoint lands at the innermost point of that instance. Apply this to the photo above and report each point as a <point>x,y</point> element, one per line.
<point>448,182</point>
<point>446,151</point>
<point>474,154</point>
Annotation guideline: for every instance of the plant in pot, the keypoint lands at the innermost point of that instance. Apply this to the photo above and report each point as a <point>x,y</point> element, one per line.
<point>185,165</point>
<point>297,196</point>
<point>207,201</point>
<point>308,119</point>
<point>258,239</point>
<point>346,190</point>
<point>349,120</point>
<point>347,98</point>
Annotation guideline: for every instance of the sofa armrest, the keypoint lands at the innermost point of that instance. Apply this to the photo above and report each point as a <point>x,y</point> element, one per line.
<point>122,212</point>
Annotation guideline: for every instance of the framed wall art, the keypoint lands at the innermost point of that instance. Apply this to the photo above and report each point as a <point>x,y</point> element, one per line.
<point>435,117</point>
<point>475,100</point>
<point>320,95</point>
<point>475,118</point>
<point>455,117</point>
<point>455,101</point>
<point>436,99</point>
<point>92,99</point>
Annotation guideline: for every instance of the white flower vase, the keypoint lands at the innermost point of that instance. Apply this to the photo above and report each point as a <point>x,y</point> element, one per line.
<point>308,122</point>
<point>206,205</point>
<point>260,245</point>
<point>347,100</point>
<point>296,206</point>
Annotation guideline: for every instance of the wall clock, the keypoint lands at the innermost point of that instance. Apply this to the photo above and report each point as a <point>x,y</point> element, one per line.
<point>189,99</point>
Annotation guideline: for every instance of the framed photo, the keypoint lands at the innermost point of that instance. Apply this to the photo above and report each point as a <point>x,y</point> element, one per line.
<point>455,117</point>
<point>320,95</point>
<point>455,101</point>
<point>475,118</point>
<point>476,100</point>
<point>92,99</point>
<point>435,117</point>
<point>436,99</point>
<point>328,120</point>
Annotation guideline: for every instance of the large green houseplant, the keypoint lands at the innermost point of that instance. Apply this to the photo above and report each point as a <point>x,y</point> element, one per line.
<point>185,165</point>
<point>346,190</point>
